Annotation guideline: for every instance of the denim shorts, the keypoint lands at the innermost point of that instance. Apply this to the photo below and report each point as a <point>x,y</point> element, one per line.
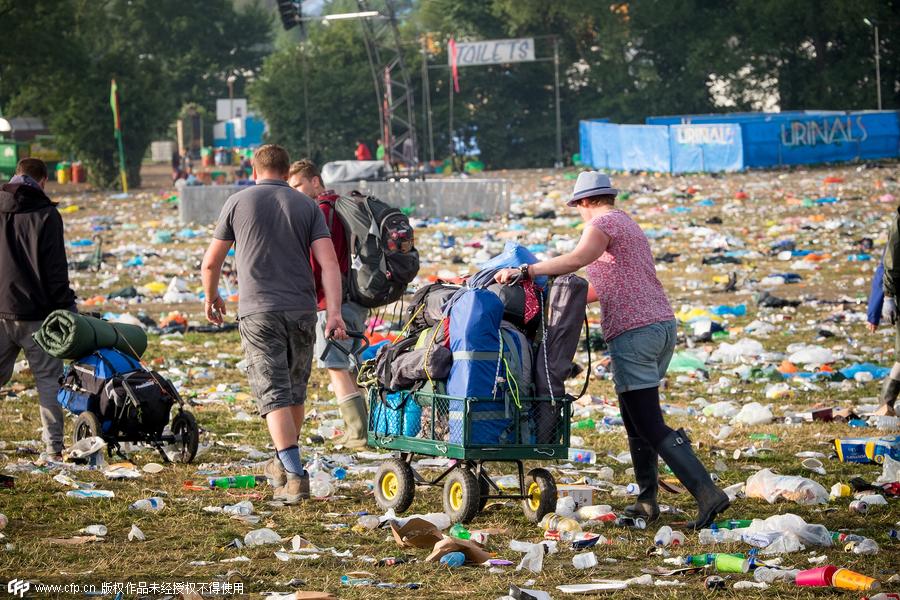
<point>640,357</point>
<point>278,347</point>
<point>355,319</point>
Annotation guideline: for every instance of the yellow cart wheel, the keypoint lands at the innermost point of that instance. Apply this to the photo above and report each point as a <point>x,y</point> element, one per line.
<point>540,492</point>
<point>395,486</point>
<point>461,495</point>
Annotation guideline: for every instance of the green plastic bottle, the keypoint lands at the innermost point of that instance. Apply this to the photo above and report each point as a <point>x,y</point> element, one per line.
<point>460,532</point>
<point>236,481</point>
<point>584,424</point>
<point>734,524</point>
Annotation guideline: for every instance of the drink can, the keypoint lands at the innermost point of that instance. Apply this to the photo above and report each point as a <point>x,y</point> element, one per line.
<point>714,582</point>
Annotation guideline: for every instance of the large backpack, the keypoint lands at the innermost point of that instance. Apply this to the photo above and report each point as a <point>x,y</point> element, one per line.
<point>383,256</point>
<point>124,396</point>
<point>83,380</point>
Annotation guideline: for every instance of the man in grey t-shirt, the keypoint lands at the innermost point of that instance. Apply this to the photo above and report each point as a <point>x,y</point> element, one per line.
<point>274,228</point>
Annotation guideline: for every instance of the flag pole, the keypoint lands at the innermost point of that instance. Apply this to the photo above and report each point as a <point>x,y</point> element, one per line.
<point>114,104</point>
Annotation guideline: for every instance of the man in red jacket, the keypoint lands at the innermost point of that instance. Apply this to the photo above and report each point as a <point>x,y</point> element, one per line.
<point>35,283</point>
<point>362,151</point>
<point>305,177</point>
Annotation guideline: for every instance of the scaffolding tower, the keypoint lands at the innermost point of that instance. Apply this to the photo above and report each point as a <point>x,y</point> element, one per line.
<point>392,89</point>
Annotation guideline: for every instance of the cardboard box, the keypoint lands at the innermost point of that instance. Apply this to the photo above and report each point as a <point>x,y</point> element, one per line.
<point>582,494</point>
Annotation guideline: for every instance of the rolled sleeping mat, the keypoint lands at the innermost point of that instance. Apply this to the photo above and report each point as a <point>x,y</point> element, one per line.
<point>71,336</point>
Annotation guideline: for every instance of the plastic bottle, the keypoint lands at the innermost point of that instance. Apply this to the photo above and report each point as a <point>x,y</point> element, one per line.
<point>883,596</point>
<point>699,560</point>
<point>236,481</point>
<point>149,504</point>
<point>566,527</point>
<point>584,424</point>
<point>460,532</point>
<point>765,437</point>
<point>843,538</point>
<point>678,539</point>
<point>511,482</point>
<point>663,536</point>
<point>632,489</point>
<point>734,524</point>
<point>584,561</point>
<point>97,530</point>
<point>339,473</point>
<point>581,455</point>
<point>453,559</point>
<point>712,536</point>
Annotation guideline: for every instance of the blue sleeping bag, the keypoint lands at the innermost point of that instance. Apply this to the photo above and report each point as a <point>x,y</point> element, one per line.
<point>514,255</point>
<point>475,343</point>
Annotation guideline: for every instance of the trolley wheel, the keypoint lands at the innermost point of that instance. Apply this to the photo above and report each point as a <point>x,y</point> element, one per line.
<point>187,435</point>
<point>395,486</point>
<point>541,495</point>
<point>86,425</point>
<point>461,495</point>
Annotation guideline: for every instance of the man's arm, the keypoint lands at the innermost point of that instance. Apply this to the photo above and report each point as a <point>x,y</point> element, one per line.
<point>890,260</point>
<point>210,270</point>
<point>323,253</point>
<point>54,267</point>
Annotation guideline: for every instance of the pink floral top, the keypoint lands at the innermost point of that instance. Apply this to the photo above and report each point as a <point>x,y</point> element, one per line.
<point>624,278</point>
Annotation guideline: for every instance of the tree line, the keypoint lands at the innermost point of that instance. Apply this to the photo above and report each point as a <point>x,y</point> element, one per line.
<point>619,60</point>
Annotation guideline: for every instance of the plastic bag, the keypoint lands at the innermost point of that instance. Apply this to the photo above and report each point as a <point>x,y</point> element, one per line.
<point>722,410</point>
<point>890,472</point>
<point>754,414</point>
<point>811,356</point>
<point>743,349</point>
<point>771,487</point>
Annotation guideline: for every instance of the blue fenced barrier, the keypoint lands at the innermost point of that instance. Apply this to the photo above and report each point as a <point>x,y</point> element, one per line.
<point>732,142</point>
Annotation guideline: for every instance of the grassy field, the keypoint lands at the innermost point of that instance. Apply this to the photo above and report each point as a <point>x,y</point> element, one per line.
<point>182,533</point>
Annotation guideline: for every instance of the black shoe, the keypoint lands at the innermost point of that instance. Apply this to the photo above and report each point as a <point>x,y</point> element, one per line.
<point>677,452</point>
<point>646,474</point>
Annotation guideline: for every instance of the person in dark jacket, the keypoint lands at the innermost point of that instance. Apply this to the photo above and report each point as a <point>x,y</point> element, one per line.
<point>36,282</point>
<point>876,300</point>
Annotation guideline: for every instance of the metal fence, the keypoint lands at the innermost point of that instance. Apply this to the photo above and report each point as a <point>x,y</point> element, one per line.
<point>430,198</point>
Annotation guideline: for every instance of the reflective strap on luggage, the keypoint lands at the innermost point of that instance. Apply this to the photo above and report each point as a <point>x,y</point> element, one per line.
<point>474,355</point>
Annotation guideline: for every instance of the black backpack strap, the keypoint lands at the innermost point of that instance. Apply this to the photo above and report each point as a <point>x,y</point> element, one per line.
<point>587,338</point>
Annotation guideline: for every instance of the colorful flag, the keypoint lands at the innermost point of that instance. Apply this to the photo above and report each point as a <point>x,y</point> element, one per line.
<point>454,70</point>
<point>117,122</point>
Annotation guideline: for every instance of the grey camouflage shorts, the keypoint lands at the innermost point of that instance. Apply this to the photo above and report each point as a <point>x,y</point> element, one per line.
<point>278,348</point>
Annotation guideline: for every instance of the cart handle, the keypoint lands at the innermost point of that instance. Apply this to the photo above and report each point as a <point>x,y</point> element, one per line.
<point>331,343</point>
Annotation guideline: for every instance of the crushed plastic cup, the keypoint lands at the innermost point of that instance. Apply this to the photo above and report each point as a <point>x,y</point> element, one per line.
<point>369,522</point>
<point>136,535</point>
<point>851,580</point>
<point>453,559</point>
<point>840,490</point>
<point>729,563</point>
<point>815,465</point>
<point>586,560</point>
<point>818,577</point>
<point>261,537</point>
